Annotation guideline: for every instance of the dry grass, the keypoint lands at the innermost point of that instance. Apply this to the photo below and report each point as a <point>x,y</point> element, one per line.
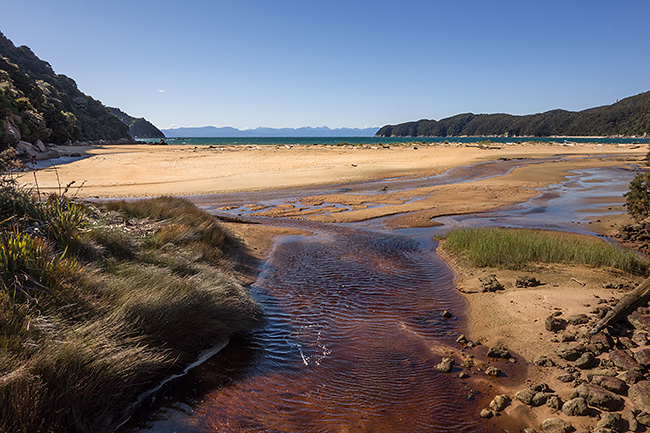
<point>97,306</point>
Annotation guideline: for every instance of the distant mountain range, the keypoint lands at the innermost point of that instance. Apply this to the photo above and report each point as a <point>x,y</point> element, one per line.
<point>228,132</point>
<point>629,117</point>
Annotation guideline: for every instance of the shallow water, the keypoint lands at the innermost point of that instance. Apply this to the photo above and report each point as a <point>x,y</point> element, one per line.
<point>354,330</point>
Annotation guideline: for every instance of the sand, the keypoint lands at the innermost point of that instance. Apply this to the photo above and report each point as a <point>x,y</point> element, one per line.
<point>514,317</point>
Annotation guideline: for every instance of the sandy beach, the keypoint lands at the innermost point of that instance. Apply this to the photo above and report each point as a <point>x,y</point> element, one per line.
<point>514,317</point>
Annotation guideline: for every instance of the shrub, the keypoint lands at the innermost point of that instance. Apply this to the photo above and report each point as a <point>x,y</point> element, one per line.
<point>637,199</point>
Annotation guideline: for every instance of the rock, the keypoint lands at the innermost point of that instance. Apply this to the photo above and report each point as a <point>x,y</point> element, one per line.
<point>624,360</point>
<point>567,337</point>
<point>578,319</point>
<point>600,372</point>
<point>610,421</point>
<point>498,352</point>
<point>463,375</point>
<point>543,361</point>
<point>446,314</point>
<point>586,360</point>
<point>40,146</point>
<point>491,284</point>
<point>643,418</point>
<point>446,365</point>
<point>639,321</point>
<point>500,402</point>
<point>526,281</point>
<point>554,402</point>
<point>631,377</point>
<point>598,397</point>
<point>541,398</point>
<point>640,337</point>
<point>643,357</point>
<point>632,424</point>
<point>529,430</point>
<point>570,351</point>
<point>461,339</point>
<point>576,407</point>
<point>541,387</point>
<point>24,148</point>
<point>639,395</point>
<point>525,396</point>
<point>556,425</point>
<point>554,324</point>
<point>566,377</point>
<point>486,413</point>
<point>493,371</point>
<point>612,384</point>
<point>600,343</point>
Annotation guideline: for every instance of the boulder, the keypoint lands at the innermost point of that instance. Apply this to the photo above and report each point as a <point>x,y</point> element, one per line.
<point>40,146</point>
<point>554,324</point>
<point>586,360</point>
<point>500,402</point>
<point>639,321</point>
<point>556,425</point>
<point>600,343</point>
<point>446,365</point>
<point>612,384</point>
<point>543,361</point>
<point>566,377</point>
<point>598,397</point>
<point>643,357</point>
<point>554,402</point>
<point>541,398</point>
<point>525,396</point>
<point>491,284</point>
<point>639,395</point>
<point>640,337</point>
<point>611,421</point>
<point>600,372</point>
<point>570,351</point>
<point>631,377</point>
<point>493,371</point>
<point>576,407</point>
<point>624,360</point>
<point>643,418</point>
<point>486,413</point>
<point>24,148</point>
<point>499,352</point>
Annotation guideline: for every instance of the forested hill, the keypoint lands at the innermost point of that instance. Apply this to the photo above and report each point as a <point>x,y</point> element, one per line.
<point>138,127</point>
<point>627,117</point>
<point>38,104</point>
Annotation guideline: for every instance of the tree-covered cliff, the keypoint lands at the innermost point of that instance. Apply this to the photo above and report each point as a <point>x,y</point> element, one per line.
<point>628,117</point>
<point>138,127</point>
<point>38,104</point>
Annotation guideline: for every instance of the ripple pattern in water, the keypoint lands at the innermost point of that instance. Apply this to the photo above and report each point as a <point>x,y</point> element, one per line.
<point>352,338</point>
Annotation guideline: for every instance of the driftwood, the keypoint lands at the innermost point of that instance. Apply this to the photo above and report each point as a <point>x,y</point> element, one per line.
<point>625,306</point>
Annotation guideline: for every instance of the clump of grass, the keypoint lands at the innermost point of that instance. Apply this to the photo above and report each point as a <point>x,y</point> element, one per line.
<point>518,248</point>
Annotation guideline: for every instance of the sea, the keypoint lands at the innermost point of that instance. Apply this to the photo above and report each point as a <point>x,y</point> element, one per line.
<point>296,141</point>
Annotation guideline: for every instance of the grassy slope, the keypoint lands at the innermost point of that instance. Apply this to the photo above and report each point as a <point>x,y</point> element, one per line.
<point>96,305</point>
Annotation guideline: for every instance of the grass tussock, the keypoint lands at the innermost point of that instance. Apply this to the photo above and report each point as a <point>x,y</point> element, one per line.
<point>518,248</point>
<point>98,304</point>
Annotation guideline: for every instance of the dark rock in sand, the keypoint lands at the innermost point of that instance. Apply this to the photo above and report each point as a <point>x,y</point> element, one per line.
<point>612,384</point>
<point>446,314</point>
<point>631,377</point>
<point>554,402</point>
<point>570,351</point>
<point>639,395</point>
<point>567,337</point>
<point>554,324</point>
<point>543,361</point>
<point>600,343</point>
<point>639,321</point>
<point>624,360</point>
<point>498,352</point>
<point>500,402</point>
<point>486,413</point>
<point>541,387</point>
<point>491,284</point>
<point>611,421</point>
<point>566,377</point>
<point>446,365</point>
<point>576,407</point>
<point>541,398</point>
<point>493,371</point>
<point>556,425</point>
<point>591,374</point>
<point>525,396</point>
<point>643,357</point>
<point>586,360</point>
<point>461,339</point>
<point>526,281</point>
<point>578,319</point>
<point>598,397</point>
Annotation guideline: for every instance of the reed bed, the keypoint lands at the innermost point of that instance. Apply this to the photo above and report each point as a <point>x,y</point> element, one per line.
<point>518,248</point>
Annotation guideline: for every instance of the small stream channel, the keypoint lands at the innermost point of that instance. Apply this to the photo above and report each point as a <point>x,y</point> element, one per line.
<point>354,327</point>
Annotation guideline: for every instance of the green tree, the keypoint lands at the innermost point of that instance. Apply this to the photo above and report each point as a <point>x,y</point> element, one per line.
<point>638,197</point>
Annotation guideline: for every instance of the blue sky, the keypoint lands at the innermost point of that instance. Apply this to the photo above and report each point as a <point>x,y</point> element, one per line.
<point>282,63</point>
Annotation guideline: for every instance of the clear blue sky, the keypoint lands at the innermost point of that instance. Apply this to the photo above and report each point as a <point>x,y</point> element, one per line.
<point>283,63</point>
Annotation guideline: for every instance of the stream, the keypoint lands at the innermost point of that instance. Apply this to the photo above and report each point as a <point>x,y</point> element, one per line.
<point>354,326</point>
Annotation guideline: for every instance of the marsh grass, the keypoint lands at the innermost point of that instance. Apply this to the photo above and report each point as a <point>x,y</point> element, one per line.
<point>96,305</point>
<point>518,248</point>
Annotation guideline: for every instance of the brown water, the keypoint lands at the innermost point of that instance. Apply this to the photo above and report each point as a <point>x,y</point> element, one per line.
<point>353,332</point>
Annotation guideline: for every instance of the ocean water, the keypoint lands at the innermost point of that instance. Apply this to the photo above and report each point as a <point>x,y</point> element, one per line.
<point>280,141</point>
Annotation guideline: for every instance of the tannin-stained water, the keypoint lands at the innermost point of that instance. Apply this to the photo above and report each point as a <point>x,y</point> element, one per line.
<point>353,332</point>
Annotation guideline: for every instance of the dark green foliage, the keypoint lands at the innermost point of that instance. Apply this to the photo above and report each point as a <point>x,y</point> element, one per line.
<point>628,117</point>
<point>138,127</point>
<point>637,199</point>
<point>46,106</point>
